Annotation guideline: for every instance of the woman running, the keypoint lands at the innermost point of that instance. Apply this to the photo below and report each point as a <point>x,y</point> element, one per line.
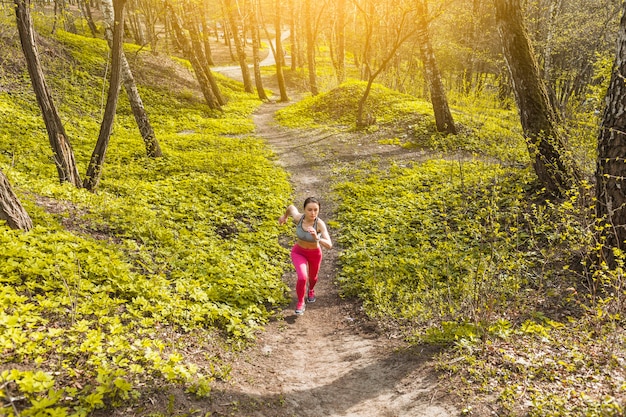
<point>306,254</point>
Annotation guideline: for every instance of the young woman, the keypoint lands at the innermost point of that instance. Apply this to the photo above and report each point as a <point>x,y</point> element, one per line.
<point>306,254</point>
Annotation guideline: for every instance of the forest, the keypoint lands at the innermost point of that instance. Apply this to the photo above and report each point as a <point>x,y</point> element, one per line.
<point>140,252</point>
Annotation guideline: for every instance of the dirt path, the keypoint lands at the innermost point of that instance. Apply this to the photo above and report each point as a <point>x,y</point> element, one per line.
<point>331,361</point>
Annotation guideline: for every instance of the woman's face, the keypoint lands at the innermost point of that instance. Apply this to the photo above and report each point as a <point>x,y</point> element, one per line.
<point>311,211</point>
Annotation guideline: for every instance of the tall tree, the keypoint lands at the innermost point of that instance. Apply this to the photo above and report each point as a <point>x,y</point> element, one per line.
<point>251,6</point>
<point>544,142</point>
<point>197,65</point>
<point>11,210</point>
<point>153,149</point>
<point>340,35</point>
<point>400,32</point>
<point>310,46</point>
<point>278,53</point>
<point>61,148</point>
<point>96,163</point>
<point>611,163</point>
<point>438,97</point>
<point>234,17</point>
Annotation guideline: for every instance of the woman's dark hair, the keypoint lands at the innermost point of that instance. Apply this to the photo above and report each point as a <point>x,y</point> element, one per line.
<point>312,200</point>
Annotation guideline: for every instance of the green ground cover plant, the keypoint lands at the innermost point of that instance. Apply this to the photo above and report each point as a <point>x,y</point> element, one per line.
<point>465,252</point>
<point>106,297</point>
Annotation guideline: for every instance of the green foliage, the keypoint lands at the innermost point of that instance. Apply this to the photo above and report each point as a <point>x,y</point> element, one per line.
<point>102,299</point>
<point>338,107</point>
<point>433,241</point>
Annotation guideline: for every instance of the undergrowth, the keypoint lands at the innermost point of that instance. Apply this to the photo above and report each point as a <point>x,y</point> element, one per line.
<point>107,296</point>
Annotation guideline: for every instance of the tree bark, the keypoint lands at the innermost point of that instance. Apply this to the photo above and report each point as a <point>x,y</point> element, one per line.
<point>545,145</point>
<point>153,149</point>
<point>198,67</point>
<point>96,163</point>
<point>310,47</point>
<point>278,53</point>
<point>251,6</point>
<point>11,209</point>
<point>438,97</point>
<point>234,19</point>
<point>611,163</point>
<point>341,41</point>
<point>61,148</point>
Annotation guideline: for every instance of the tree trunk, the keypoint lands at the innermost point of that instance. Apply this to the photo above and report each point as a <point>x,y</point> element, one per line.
<point>251,6</point>
<point>611,164</point>
<point>234,20</point>
<point>310,47</point>
<point>293,35</point>
<point>11,209</point>
<point>545,145</point>
<point>197,66</point>
<point>279,56</point>
<point>443,116</point>
<point>208,53</point>
<point>340,32</point>
<point>96,163</point>
<point>153,149</point>
<point>85,8</point>
<point>61,148</point>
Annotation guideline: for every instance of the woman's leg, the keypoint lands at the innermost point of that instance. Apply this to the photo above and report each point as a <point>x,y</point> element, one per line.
<point>314,258</point>
<point>300,263</point>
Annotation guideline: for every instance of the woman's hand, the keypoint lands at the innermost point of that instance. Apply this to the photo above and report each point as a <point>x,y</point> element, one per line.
<point>313,233</point>
<point>282,220</point>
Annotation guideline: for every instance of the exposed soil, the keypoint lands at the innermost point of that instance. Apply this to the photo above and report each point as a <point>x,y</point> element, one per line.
<point>332,361</point>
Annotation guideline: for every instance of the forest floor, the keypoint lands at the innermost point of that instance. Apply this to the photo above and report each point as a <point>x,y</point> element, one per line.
<point>333,360</point>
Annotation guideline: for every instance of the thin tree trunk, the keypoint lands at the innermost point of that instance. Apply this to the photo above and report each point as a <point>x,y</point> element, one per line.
<point>443,116</point>
<point>208,53</point>
<point>199,56</point>
<point>153,149</point>
<point>279,56</point>
<point>611,164</point>
<point>197,66</point>
<point>340,31</point>
<point>96,163</point>
<point>310,48</point>
<point>61,148</point>
<point>233,17</point>
<point>11,210</point>
<point>86,10</point>
<point>293,35</point>
<point>545,145</point>
<point>251,6</point>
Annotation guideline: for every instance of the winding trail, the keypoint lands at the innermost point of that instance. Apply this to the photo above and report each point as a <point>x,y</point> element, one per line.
<point>332,361</point>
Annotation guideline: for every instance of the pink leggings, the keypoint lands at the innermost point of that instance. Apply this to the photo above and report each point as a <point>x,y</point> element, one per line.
<point>307,263</point>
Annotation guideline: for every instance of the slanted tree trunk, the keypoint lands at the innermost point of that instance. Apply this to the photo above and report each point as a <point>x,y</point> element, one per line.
<point>85,8</point>
<point>545,145</point>
<point>234,19</point>
<point>611,164</point>
<point>96,163</point>
<point>251,6</point>
<point>310,47</point>
<point>443,116</point>
<point>196,64</point>
<point>198,52</point>
<point>61,148</point>
<point>153,149</point>
<point>11,209</point>
<point>278,53</point>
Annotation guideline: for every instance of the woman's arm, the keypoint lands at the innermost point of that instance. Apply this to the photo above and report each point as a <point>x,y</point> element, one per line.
<point>324,240</point>
<point>292,212</point>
